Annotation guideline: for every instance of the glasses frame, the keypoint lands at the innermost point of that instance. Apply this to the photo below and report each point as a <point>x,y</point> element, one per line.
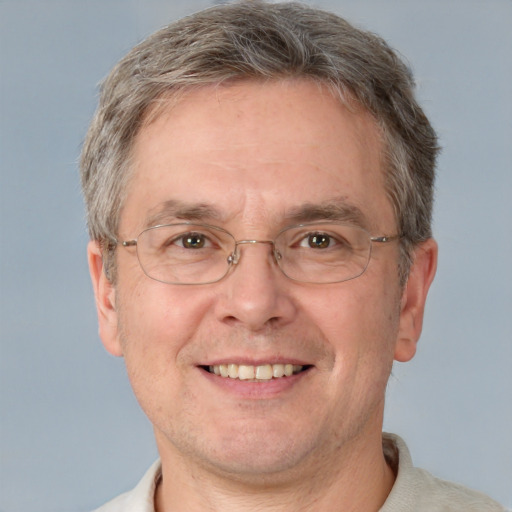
<point>234,257</point>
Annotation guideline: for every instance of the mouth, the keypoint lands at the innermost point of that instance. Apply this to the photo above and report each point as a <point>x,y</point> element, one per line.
<point>259,373</point>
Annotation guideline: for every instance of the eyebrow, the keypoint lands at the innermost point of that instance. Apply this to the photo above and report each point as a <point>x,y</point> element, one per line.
<point>336,209</point>
<point>175,209</point>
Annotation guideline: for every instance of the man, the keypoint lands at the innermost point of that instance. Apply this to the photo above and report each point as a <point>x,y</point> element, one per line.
<point>258,181</point>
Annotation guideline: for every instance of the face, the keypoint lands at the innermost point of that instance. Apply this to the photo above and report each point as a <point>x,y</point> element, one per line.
<point>247,158</point>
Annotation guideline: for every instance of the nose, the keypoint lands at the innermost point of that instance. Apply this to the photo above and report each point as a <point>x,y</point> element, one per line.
<point>255,294</point>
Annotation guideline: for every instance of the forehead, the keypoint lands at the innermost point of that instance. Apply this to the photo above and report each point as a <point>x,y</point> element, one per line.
<point>254,151</point>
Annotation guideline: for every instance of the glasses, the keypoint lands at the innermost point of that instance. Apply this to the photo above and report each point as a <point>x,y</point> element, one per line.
<point>320,253</point>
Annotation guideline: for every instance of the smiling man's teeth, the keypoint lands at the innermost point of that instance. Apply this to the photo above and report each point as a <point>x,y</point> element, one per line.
<point>261,372</point>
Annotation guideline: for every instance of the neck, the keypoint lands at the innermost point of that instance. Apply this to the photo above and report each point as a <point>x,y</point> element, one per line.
<point>354,480</point>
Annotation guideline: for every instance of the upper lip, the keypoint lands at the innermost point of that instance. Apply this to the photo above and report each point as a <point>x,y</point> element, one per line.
<point>260,361</point>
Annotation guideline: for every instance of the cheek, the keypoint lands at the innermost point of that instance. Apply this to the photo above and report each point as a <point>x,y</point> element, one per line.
<point>156,310</point>
<point>156,324</point>
<point>359,322</point>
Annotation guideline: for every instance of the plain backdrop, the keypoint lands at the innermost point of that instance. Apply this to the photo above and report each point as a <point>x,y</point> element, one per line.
<point>72,435</point>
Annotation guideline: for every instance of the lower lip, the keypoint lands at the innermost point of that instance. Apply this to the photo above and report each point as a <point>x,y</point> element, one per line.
<point>263,389</point>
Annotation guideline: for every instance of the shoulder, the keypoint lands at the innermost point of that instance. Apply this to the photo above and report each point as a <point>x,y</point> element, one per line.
<point>140,498</point>
<point>451,496</point>
<point>118,504</point>
<point>416,490</point>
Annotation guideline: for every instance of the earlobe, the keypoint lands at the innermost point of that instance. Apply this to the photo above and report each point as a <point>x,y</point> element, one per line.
<point>414,296</point>
<point>105,295</point>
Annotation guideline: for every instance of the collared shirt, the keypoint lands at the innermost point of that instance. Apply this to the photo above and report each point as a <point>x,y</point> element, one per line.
<point>415,490</point>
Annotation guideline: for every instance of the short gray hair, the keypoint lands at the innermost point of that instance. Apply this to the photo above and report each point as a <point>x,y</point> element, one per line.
<point>253,40</point>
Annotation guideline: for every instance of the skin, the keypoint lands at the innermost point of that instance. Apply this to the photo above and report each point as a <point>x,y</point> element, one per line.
<point>255,152</point>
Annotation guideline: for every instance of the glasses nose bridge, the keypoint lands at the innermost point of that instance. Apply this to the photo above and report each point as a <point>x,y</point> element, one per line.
<point>235,258</point>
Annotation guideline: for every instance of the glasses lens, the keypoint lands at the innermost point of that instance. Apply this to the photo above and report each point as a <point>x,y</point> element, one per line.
<point>323,253</point>
<point>185,253</point>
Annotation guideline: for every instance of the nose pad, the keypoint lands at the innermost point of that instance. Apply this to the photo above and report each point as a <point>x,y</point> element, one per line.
<point>234,257</point>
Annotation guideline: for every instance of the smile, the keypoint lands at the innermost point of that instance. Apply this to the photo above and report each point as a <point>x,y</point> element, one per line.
<point>262,372</point>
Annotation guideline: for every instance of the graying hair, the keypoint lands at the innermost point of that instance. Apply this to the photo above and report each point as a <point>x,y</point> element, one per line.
<point>254,40</point>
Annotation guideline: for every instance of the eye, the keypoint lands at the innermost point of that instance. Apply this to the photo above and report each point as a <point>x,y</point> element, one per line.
<point>317,241</point>
<point>192,241</point>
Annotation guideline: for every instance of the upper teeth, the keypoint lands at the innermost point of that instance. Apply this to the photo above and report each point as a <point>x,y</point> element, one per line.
<point>261,372</point>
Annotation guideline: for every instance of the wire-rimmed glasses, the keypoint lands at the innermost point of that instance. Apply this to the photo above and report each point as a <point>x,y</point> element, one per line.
<point>320,252</point>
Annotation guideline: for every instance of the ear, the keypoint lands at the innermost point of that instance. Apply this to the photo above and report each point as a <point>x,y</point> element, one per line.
<point>414,295</point>
<point>105,294</point>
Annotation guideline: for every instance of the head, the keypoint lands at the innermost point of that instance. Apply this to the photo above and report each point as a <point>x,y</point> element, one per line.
<point>267,42</point>
<point>253,118</point>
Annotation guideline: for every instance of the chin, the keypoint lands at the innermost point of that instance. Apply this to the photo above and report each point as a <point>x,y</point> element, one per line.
<point>258,454</point>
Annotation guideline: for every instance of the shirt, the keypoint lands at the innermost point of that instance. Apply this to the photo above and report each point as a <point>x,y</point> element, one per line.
<point>414,490</point>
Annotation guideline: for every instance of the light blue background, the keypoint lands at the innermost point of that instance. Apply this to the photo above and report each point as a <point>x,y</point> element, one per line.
<point>72,435</point>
